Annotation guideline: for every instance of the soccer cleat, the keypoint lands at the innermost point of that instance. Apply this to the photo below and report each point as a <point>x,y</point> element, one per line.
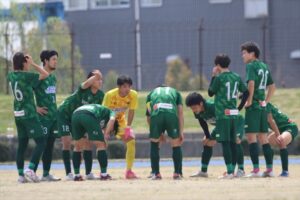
<point>22,179</point>
<point>254,174</point>
<point>106,177</point>
<point>69,177</point>
<point>268,173</point>
<point>91,176</point>
<point>200,174</point>
<point>284,174</point>
<point>177,176</point>
<point>31,175</point>
<point>130,175</point>
<point>78,178</point>
<point>156,177</point>
<point>226,176</point>
<point>150,175</point>
<point>50,178</point>
<point>240,173</point>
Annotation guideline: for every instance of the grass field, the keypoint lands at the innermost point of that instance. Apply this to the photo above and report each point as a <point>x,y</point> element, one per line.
<point>286,99</point>
<point>189,188</point>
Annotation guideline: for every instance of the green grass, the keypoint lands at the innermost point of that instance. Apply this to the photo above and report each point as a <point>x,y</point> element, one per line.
<point>286,99</point>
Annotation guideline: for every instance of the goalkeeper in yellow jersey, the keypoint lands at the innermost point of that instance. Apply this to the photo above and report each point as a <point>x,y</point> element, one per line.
<point>120,100</point>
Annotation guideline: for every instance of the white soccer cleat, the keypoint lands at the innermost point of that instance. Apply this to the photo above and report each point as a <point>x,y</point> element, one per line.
<point>226,176</point>
<point>91,176</point>
<point>50,178</point>
<point>31,175</point>
<point>254,175</point>
<point>200,174</point>
<point>69,177</point>
<point>268,174</point>
<point>240,173</point>
<point>22,179</point>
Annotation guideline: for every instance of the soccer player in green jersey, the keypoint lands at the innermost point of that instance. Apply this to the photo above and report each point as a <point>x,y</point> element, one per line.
<point>284,131</point>
<point>225,86</point>
<point>45,94</point>
<point>87,93</point>
<point>91,120</point>
<point>259,79</point>
<point>204,111</point>
<point>28,125</point>
<point>165,113</point>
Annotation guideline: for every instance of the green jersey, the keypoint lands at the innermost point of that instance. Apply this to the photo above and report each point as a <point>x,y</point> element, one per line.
<point>101,113</point>
<point>208,114</point>
<point>280,119</point>
<point>163,99</point>
<point>258,72</point>
<point>22,84</point>
<point>78,98</point>
<point>226,87</point>
<point>45,95</point>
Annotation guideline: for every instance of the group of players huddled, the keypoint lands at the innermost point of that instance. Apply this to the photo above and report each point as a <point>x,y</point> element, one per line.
<point>88,117</point>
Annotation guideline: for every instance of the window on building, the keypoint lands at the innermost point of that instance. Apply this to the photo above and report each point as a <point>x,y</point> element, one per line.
<point>151,3</point>
<point>256,8</point>
<point>71,5</point>
<point>95,4</point>
<point>219,1</point>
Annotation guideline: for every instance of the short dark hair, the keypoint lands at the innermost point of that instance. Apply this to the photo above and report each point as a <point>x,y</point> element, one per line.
<point>123,79</point>
<point>194,98</point>
<point>90,74</point>
<point>223,60</point>
<point>251,47</point>
<point>47,54</point>
<point>18,61</point>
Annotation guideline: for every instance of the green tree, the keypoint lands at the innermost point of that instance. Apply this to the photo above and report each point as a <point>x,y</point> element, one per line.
<point>110,80</point>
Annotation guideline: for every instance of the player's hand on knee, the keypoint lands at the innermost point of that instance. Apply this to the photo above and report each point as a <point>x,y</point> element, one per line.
<point>181,138</point>
<point>205,140</point>
<point>42,110</point>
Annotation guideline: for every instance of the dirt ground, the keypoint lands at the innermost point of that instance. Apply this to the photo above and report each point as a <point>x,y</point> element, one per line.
<point>167,188</point>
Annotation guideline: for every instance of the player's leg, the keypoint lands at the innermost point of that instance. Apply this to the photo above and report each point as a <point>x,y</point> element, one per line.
<point>35,131</point>
<point>172,126</point>
<point>88,159</point>
<point>22,146</point>
<point>50,131</point>
<point>252,127</point>
<point>156,130</point>
<point>64,130</point>
<point>239,148</point>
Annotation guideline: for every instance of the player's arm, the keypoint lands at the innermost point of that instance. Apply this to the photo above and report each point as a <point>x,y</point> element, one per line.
<point>251,84</point>
<point>148,116</point>
<point>132,107</point>
<point>110,125</point>
<point>213,85</point>
<point>130,117</point>
<point>245,95</point>
<point>89,82</point>
<point>204,127</point>
<point>42,73</point>
<point>271,90</point>
<point>273,124</point>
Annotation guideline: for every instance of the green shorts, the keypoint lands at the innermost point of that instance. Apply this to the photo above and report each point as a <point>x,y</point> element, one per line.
<point>226,129</point>
<point>292,128</point>
<point>50,128</point>
<point>240,130</point>
<point>84,122</point>
<point>29,128</point>
<point>256,120</point>
<point>164,122</point>
<point>63,124</point>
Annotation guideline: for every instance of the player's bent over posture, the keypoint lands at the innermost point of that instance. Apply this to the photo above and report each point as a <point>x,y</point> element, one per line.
<point>204,111</point>
<point>28,125</point>
<point>120,100</point>
<point>259,80</point>
<point>87,93</point>
<point>92,119</point>
<point>284,131</point>
<point>165,113</point>
<point>226,85</point>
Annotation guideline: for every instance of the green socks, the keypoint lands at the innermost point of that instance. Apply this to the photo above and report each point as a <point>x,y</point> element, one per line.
<point>88,161</point>
<point>284,155</point>
<point>206,156</point>
<point>67,160</point>
<point>76,161</point>
<point>240,156</point>
<point>268,153</point>
<point>154,157</point>
<point>227,156</point>
<point>102,159</point>
<point>177,159</point>
<point>254,153</point>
